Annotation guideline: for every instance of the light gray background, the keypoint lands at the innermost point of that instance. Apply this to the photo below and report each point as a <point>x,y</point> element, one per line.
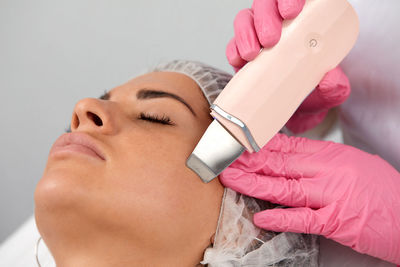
<point>53,53</point>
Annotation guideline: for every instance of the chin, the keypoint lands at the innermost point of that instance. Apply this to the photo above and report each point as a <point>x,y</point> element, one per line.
<point>59,191</point>
<point>66,180</point>
<point>59,201</point>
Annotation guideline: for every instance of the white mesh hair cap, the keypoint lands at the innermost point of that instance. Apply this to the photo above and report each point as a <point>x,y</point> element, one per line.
<point>210,80</point>
<point>239,243</point>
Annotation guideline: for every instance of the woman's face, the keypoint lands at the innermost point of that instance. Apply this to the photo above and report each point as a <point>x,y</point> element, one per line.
<point>134,199</point>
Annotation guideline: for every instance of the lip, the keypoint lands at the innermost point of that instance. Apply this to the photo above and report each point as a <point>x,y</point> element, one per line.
<point>77,143</point>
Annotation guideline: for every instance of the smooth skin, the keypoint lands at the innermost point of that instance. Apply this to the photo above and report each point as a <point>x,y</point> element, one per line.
<point>141,206</point>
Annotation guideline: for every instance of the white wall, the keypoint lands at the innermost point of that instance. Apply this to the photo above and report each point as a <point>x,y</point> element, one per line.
<point>53,53</point>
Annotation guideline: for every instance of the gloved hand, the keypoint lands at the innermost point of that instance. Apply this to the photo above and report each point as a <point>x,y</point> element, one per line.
<point>261,26</point>
<point>338,191</point>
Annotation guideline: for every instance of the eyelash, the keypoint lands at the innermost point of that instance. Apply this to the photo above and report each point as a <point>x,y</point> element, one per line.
<point>146,117</point>
<point>156,119</point>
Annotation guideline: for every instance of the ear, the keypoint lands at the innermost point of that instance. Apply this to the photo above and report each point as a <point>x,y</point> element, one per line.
<point>212,239</point>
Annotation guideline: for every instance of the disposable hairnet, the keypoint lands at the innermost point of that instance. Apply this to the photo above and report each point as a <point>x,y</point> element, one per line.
<point>209,79</point>
<point>238,242</point>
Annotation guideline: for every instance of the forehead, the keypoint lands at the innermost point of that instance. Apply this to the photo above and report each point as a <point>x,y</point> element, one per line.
<point>171,82</point>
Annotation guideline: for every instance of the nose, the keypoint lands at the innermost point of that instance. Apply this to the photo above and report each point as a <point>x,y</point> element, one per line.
<point>93,115</point>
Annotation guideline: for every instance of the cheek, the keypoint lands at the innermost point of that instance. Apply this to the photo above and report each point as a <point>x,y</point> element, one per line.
<point>145,180</point>
<point>155,194</point>
<point>63,197</point>
<point>66,181</point>
<point>161,206</point>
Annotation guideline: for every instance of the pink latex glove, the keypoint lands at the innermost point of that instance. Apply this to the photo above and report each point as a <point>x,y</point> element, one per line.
<point>338,191</point>
<point>261,26</point>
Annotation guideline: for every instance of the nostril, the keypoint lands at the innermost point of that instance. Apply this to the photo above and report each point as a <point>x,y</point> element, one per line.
<point>96,119</point>
<point>75,121</point>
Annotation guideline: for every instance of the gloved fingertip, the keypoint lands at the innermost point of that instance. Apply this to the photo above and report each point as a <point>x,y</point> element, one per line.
<point>269,31</point>
<point>289,9</point>
<point>334,88</point>
<point>250,54</point>
<point>247,43</point>
<point>233,56</point>
<point>259,219</point>
<point>229,176</point>
<point>267,220</point>
<point>236,62</point>
<point>267,22</point>
<point>236,69</point>
<point>269,38</point>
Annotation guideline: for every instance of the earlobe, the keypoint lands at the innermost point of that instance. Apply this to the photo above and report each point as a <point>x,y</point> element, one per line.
<point>212,239</point>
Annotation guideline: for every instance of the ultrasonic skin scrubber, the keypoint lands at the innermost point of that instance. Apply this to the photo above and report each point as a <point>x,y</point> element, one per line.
<point>265,93</point>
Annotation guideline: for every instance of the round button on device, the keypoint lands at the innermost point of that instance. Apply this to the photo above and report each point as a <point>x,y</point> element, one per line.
<point>313,42</point>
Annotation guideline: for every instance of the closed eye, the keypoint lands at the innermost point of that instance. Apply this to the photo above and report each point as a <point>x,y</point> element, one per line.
<point>156,119</point>
<point>146,117</point>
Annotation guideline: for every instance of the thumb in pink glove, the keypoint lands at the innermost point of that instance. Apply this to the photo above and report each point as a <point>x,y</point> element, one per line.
<point>337,191</point>
<point>261,26</point>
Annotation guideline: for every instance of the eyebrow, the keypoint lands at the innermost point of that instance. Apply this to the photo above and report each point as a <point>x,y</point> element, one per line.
<point>151,94</point>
